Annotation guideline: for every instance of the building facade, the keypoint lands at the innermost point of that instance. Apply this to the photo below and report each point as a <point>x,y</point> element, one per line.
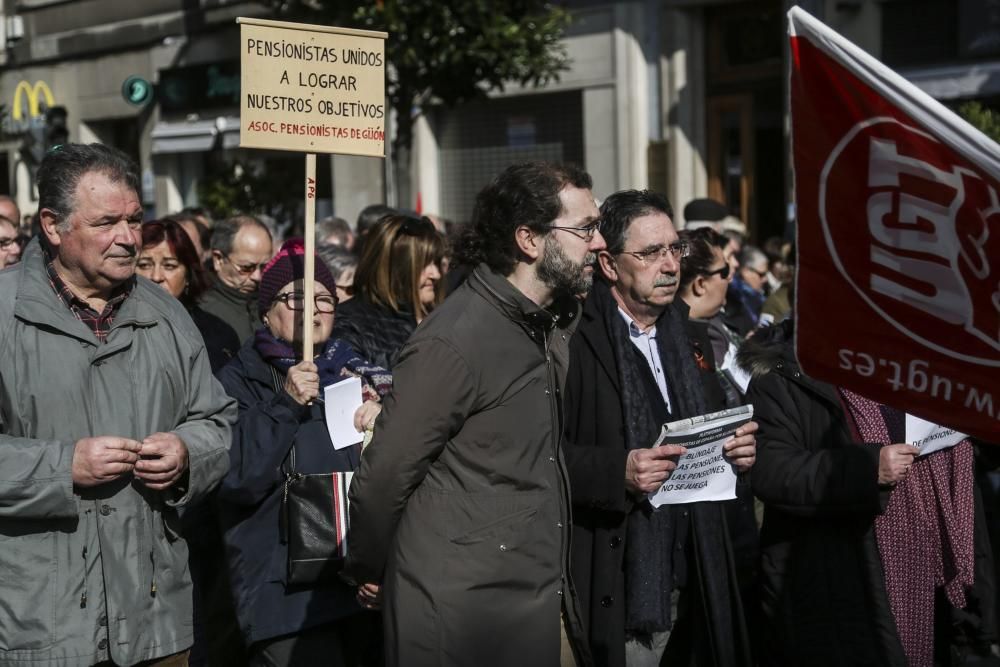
<point>684,96</point>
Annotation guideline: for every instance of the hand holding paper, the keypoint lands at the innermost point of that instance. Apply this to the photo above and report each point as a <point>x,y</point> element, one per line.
<point>647,469</point>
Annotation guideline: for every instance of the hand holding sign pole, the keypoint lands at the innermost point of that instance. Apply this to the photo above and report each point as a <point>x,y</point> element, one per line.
<point>312,89</point>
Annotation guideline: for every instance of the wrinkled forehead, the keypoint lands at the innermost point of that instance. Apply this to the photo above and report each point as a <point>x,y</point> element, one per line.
<point>651,229</point>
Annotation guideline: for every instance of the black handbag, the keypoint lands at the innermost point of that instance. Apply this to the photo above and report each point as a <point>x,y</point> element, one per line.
<point>314,521</point>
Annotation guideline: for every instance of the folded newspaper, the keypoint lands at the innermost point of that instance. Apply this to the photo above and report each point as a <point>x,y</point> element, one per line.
<point>702,474</point>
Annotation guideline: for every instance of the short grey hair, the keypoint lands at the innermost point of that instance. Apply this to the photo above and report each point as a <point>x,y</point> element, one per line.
<point>337,258</point>
<point>333,226</point>
<point>224,231</point>
<point>64,166</point>
<point>751,256</point>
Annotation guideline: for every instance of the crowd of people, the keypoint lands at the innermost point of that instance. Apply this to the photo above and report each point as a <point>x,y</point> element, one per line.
<point>156,397</point>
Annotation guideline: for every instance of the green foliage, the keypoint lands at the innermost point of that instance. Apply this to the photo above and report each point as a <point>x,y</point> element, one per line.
<point>982,118</point>
<point>449,52</point>
<point>245,188</point>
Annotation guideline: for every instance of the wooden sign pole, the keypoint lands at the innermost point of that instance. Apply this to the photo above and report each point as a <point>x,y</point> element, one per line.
<point>309,288</point>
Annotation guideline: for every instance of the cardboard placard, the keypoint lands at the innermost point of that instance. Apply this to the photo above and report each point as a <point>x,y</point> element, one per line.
<point>312,88</point>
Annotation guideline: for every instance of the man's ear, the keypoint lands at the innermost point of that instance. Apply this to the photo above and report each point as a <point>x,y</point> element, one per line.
<point>607,265</point>
<point>49,220</point>
<point>528,242</point>
<point>216,260</point>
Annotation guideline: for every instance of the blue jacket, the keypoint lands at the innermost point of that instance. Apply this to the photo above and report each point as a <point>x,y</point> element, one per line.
<point>250,501</point>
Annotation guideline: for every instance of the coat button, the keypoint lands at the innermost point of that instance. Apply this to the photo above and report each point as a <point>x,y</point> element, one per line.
<point>607,601</point>
<point>103,644</point>
<point>615,542</point>
<point>103,620</point>
<point>503,547</point>
<point>559,524</point>
<point>559,592</point>
<point>105,510</point>
<point>552,459</point>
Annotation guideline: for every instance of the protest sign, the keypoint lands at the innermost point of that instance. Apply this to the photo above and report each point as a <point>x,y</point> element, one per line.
<point>702,473</point>
<point>312,88</point>
<point>898,276</point>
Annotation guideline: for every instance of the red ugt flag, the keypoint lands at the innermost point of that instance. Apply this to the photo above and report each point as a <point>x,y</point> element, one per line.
<point>898,294</point>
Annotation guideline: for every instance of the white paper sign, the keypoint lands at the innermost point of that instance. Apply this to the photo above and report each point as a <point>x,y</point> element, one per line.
<point>702,473</point>
<point>930,437</point>
<point>731,368</point>
<point>341,401</point>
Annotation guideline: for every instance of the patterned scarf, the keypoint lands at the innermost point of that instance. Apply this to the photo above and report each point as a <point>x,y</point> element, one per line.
<point>336,362</point>
<point>925,535</point>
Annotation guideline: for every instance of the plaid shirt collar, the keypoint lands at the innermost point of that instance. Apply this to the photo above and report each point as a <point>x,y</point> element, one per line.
<point>98,322</point>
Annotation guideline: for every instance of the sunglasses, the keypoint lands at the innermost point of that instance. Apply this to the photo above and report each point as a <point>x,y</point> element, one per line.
<point>723,272</point>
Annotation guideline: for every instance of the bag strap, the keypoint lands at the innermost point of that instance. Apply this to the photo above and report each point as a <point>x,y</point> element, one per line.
<point>278,388</point>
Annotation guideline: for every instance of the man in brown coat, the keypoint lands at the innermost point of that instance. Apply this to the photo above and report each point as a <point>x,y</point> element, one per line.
<point>460,509</point>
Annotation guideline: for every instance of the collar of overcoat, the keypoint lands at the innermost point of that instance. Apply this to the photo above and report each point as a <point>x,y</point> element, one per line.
<point>594,331</point>
<point>38,304</point>
<point>563,313</point>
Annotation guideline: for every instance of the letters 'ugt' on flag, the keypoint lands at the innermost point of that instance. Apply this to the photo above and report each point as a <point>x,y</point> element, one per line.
<point>898,293</point>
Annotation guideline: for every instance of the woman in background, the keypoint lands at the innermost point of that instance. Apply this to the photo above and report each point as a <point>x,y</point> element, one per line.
<point>397,284</point>
<point>281,416</point>
<point>169,259</point>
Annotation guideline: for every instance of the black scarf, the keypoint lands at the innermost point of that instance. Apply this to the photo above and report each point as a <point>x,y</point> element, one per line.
<point>649,552</point>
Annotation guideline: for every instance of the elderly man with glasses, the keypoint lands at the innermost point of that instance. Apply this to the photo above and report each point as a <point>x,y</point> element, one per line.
<point>642,573</point>
<point>241,248</point>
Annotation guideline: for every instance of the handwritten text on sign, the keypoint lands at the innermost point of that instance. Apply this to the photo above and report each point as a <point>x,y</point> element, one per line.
<point>311,88</point>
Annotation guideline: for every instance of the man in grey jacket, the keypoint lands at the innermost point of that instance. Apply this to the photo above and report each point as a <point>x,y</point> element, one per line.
<point>110,422</point>
<point>461,505</point>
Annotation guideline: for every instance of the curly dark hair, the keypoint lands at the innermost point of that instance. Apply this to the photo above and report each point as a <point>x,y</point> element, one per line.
<point>620,209</point>
<point>523,194</point>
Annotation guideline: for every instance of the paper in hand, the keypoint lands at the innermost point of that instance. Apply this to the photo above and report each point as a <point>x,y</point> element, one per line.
<point>930,437</point>
<point>342,400</point>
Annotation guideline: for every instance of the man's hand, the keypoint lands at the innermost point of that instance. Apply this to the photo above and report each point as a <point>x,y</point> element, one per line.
<point>364,417</point>
<point>302,382</point>
<point>103,459</point>
<point>741,450</point>
<point>163,459</point>
<point>894,462</point>
<point>647,469</point>
<point>370,596</point>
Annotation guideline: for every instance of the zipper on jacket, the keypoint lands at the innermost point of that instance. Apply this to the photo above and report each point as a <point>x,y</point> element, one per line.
<point>83,596</point>
<point>152,576</point>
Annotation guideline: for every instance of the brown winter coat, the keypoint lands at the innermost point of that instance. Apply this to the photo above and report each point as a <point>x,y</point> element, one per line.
<point>461,504</point>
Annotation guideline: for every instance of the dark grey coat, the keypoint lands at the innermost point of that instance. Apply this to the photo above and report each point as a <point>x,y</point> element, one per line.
<point>461,504</point>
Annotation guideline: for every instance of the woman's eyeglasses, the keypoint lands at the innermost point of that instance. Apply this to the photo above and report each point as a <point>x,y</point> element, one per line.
<point>325,303</point>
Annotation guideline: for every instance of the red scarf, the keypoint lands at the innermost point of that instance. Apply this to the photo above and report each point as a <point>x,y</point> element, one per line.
<point>925,535</point>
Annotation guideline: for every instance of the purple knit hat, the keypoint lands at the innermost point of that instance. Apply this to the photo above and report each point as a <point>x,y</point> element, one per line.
<point>288,265</point>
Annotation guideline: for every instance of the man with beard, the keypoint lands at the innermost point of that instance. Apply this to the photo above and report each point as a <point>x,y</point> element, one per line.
<point>644,576</point>
<point>460,508</point>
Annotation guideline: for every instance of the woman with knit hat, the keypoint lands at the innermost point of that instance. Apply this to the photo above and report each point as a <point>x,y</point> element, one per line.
<point>278,394</point>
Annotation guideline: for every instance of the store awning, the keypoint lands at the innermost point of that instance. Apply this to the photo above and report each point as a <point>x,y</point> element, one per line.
<point>184,137</point>
<point>229,127</point>
<point>954,82</point>
<point>196,136</point>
